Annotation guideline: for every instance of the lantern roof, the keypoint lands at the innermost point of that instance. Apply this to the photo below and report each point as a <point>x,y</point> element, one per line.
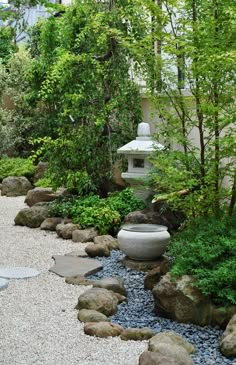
<point>143,144</point>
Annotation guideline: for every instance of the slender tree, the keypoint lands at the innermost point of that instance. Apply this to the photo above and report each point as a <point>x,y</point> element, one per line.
<point>197,97</point>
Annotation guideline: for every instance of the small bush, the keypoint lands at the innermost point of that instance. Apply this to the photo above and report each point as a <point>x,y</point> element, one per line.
<point>104,214</point>
<point>206,250</point>
<point>44,182</point>
<point>16,167</point>
<point>104,219</point>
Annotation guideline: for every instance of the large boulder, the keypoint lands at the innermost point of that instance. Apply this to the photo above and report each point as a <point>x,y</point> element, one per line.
<point>15,186</point>
<point>102,329</point>
<point>37,195</point>
<point>228,340</point>
<point>137,334</point>
<point>31,217</point>
<point>153,358</point>
<point>182,301</point>
<point>101,300</point>
<point>89,315</point>
<point>84,235</point>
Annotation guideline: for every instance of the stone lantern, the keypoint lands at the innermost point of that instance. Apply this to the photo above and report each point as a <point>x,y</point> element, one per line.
<point>137,152</point>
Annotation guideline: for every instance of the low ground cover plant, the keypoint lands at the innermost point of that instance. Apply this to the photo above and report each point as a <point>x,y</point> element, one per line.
<point>16,166</point>
<point>105,214</point>
<point>206,250</point>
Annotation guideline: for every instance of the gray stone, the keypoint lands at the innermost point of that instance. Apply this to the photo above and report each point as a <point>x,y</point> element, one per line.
<point>41,168</point>
<point>65,230</point>
<point>174,352</point>
<point>137,334</point>
<point>49,224</point>
<point>84,235</point>
<point>107,240</point>
<point>89,315</point>
<point>102,329</point>
<point>15,186</point>
<point>110,283</point>
<point>3,284</point>
<point>152,358</point>
<point>101,300</point>
<point>166,217</point>
<point>228,340</point>
<point>37,195</point>
<point>153,276</point>
<point>99,249</point>
<point>18,272</point>
<point>73,266</point>
<point>120,298</point>
<point>31,217</point>
<point>171,338</point>
<point>77,253</point>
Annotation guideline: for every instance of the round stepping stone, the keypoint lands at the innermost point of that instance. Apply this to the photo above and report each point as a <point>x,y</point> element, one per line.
<point>17,272</point>
<point>3,284</point>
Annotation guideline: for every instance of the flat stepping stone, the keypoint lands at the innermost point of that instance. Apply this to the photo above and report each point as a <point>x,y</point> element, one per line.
<point>73,266</point>
<point>77,253</point>
<point>3,284</point>
<point>18,272</point>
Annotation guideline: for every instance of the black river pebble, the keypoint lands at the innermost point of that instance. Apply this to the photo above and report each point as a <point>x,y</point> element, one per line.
<point>139,312</point>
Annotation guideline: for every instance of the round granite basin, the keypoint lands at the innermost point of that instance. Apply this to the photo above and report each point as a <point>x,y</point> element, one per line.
<point>143,241</point>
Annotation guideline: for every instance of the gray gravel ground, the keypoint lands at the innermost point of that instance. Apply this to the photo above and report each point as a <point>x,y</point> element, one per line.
<point>38,322</point>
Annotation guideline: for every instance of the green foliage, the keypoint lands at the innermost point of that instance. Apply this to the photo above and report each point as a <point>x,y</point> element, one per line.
<point>124,202</point>
<point>91,211</point>
<point>19,119</point>
<point>191,83</point>
<point>80,76</point>
<point>104,219</point>
<point>44,182</point>
<point>206,250</point>
<point>6,43</point>
<point>16,167</point>
<point>180,186</point>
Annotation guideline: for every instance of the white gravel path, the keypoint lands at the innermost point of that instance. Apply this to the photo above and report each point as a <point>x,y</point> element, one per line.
<point>38,322</point>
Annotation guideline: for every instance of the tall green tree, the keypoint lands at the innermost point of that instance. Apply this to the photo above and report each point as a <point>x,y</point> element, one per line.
<point>191,79</point>
<point>81,78</point>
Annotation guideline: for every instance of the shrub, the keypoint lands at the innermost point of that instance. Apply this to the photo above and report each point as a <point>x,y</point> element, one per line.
<point>104,219</point>
<point>104,214</point>
<point>44,182</point>
<point>206,250</point>
<point>16,167</point>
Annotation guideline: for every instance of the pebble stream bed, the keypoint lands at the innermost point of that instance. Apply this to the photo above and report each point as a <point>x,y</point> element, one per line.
<point>139,312</point>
